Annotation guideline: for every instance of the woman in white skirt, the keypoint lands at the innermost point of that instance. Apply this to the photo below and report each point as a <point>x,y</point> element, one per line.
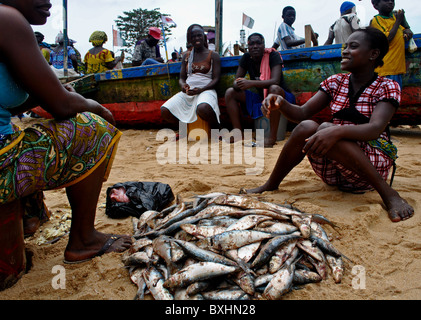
<point>199,75</point>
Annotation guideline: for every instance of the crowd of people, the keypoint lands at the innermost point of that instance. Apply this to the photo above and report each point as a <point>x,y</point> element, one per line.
<point>353,152</point>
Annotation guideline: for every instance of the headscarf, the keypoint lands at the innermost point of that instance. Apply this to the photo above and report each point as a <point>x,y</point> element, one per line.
<point>98,38</point>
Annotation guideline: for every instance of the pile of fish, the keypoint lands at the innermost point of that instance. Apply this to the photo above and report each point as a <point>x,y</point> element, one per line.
<point>229,247</point>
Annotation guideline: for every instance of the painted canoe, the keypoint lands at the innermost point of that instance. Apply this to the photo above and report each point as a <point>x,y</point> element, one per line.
<point>135,95</point>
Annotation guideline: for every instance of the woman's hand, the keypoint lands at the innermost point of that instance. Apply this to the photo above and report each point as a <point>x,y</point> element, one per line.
<point>194,91</point>
<point>322,141</point>
<point>272,102</point>
<point>101,111</point>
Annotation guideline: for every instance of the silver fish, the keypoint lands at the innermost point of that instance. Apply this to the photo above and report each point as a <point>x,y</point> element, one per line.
<point>281,255</point>
<point>155,283</point>
<point>303,224</point>
<point>248,251</point>
<point>313,251</point>
<point>337,266</point>
<point>236,238</point>
<point>197,272</point>
<point>278,228</point>
<point>267,251</point>
<point>162,246</point>
<point>137,258</point>
<point>226,294</point>
<point>204,255</point>
<point>201,232</point>
<point>247,222</point>
<point>280,283</point>
<point>303,277</point>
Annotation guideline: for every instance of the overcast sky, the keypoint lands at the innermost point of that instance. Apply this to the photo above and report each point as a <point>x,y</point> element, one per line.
<point>86,16</point>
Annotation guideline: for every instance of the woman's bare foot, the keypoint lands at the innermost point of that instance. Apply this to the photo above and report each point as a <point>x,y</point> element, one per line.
<point>398,209</point>
<point>261,189</point>
<point>99,244</point>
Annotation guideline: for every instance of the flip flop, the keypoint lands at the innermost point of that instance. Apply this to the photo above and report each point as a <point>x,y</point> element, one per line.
<point>103,250</point>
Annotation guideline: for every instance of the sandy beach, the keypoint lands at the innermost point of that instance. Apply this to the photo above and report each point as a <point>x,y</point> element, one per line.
<point>386,255</point>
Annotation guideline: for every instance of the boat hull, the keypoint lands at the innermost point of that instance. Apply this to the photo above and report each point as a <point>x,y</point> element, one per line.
<point>135,95</point>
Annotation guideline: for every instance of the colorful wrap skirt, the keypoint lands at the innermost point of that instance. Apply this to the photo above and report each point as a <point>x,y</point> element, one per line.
<point>334,174</point>
<point>54,154</point>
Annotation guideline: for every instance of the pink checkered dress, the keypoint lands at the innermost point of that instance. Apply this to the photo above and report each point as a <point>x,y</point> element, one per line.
<point>337,87</point>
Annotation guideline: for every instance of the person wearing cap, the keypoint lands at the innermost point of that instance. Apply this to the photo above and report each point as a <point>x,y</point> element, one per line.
<point>146,51</point>
<point>345,25</point>
<point>57,58</point>
<point>98,59</point>
<point>43,46</point>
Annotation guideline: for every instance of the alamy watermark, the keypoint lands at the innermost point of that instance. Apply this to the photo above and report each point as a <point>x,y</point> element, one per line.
<point>174,151</point>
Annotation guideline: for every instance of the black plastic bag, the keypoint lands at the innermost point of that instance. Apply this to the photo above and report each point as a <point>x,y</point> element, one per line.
<point>140,197</point>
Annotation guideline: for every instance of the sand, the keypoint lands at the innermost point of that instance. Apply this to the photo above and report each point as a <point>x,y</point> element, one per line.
<point>386,256</point>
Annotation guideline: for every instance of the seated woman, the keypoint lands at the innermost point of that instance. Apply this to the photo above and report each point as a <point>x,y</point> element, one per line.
<point>57,58</point>
<point>75,150</point>
<point>199,74</point>
<point>354,152</point>
<point>98,59</point>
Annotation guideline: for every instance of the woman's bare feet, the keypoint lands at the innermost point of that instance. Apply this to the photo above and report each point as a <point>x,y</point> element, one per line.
<point>99,244</point>
<point>398,209</point>
<point>261,189</point>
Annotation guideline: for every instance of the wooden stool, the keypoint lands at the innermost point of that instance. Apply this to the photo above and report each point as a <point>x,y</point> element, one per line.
<point>198,129</point>
<point>12,245</point>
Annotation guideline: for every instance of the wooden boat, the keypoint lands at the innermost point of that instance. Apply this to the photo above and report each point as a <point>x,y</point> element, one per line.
<point>135,95</point>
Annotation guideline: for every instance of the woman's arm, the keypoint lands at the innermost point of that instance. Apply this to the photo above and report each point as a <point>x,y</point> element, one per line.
<point>293,112</point>
<point>20,51</point>
<point>323,140</point>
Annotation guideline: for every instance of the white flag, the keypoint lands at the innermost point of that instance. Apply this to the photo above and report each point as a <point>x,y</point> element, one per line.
<point>117,40</point>
<point>248,22</point>
<point>167,20</point>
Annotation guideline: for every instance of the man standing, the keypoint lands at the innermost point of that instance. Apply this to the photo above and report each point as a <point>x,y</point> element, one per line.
<point>146,51</point>
<point>264,67</point>
<point>286,37</point>
<point>345,25</point>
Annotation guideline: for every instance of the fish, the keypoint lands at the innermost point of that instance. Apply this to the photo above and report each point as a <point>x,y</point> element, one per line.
<point>247,222</point>
<point>226,294</point>
<point>281,255</point>
<point>162,246</point>
<point>235,239</point>
<point>320,266</point>
<point>137,258</point>
<point>267,251</point>
<point>204,255</point>
<point>278,228</point>
<point>201,232</point>
<point>303,224</point>
<point>313,251</point>
<point>337,267</point>
<point>280,283</point>
<point>197,272</point>
<point>245,281</point>
<point>183,215</point>
<point>303,277</point>
<point>248,251</point>
<point>155,283</point>
<point>197,287</point>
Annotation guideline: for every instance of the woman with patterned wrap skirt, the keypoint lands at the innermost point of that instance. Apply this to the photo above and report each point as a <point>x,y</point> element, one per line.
<point>74,150</point>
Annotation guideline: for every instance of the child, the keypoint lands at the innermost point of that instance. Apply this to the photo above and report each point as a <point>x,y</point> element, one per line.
<point>394,26</point>
<point>354,151</point>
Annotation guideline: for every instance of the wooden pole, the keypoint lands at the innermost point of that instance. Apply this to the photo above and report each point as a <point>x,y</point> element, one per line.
<point>66,40</point>
<point>218,26</point>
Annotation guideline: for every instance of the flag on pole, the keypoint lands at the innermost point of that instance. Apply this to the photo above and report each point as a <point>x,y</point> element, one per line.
<point>168,20</point>
<point>117,40</point>
<point>247,21</point>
